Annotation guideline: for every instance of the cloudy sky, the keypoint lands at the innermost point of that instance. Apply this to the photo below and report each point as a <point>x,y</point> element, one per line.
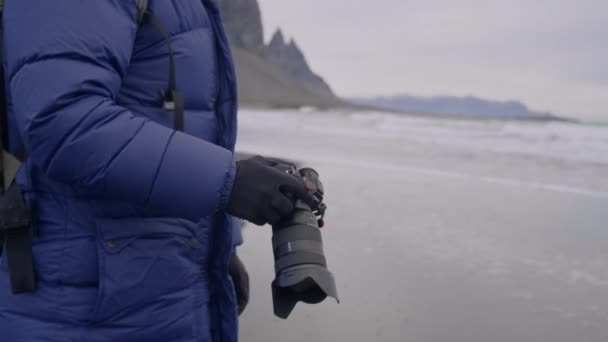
<point>551,54</point>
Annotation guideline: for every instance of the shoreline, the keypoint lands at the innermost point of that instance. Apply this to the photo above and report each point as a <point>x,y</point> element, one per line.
<point>357,109</point>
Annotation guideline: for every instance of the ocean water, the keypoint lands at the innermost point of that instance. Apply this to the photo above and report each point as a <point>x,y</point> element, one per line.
<point>443,230</point>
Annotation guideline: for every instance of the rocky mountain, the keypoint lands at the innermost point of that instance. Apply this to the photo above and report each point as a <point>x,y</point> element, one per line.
<point>243,23</point>
<point>469,106</point>
<point>289,57</point>
<point>275,74</point>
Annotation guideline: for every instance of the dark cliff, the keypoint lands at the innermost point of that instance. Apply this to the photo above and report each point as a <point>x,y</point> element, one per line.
<point>273,75</point>
<point>243,23</point>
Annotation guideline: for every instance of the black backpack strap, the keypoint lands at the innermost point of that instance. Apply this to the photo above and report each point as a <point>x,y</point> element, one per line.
<point>3,126</point>
<point>16,230</point>
<point>20,154</point>
<point>172,99</point>
<point>142,7</point>
<point>15,218</point>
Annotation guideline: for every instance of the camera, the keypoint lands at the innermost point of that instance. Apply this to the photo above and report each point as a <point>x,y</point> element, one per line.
<point>299,261</point>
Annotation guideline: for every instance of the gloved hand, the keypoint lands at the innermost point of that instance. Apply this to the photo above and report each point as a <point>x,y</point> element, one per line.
<point>264,194</point>
<point>240,278</point>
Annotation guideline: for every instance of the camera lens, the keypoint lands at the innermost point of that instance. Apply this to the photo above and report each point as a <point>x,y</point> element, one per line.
<point>300,264</point>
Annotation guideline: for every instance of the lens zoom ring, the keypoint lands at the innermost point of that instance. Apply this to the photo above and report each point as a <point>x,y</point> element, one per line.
<point>298,246</point>
<point>299,258</point>
<point>294,233</point>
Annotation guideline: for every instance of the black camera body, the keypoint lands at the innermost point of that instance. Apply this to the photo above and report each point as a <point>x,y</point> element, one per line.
<point>300,264</point>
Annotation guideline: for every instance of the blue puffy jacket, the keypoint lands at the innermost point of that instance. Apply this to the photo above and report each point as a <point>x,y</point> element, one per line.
<point>132,242</point>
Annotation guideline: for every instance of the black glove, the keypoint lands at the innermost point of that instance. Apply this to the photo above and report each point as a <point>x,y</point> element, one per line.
<point>262,193</point>
<point>240,278</point>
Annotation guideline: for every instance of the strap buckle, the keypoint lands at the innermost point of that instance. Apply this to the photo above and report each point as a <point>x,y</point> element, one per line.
<point>15,217</point>
<point>16,230</point>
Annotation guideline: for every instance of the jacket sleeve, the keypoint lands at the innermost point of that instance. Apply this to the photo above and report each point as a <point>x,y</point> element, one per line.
<point>64,62</point>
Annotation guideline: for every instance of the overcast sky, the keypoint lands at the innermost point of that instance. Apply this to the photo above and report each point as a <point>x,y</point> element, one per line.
<point>551,54</point>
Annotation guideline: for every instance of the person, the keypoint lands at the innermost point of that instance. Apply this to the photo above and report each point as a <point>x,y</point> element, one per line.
<point>133,191</point>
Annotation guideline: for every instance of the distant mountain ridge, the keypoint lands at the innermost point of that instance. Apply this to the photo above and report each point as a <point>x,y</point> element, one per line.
<point>273,75</point>
<point>451,106</point>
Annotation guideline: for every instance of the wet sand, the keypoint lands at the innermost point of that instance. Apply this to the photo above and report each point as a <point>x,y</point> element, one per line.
<point>433,241</point>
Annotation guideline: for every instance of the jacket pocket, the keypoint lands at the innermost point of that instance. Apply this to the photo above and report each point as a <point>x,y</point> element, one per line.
<point>149,265</point>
